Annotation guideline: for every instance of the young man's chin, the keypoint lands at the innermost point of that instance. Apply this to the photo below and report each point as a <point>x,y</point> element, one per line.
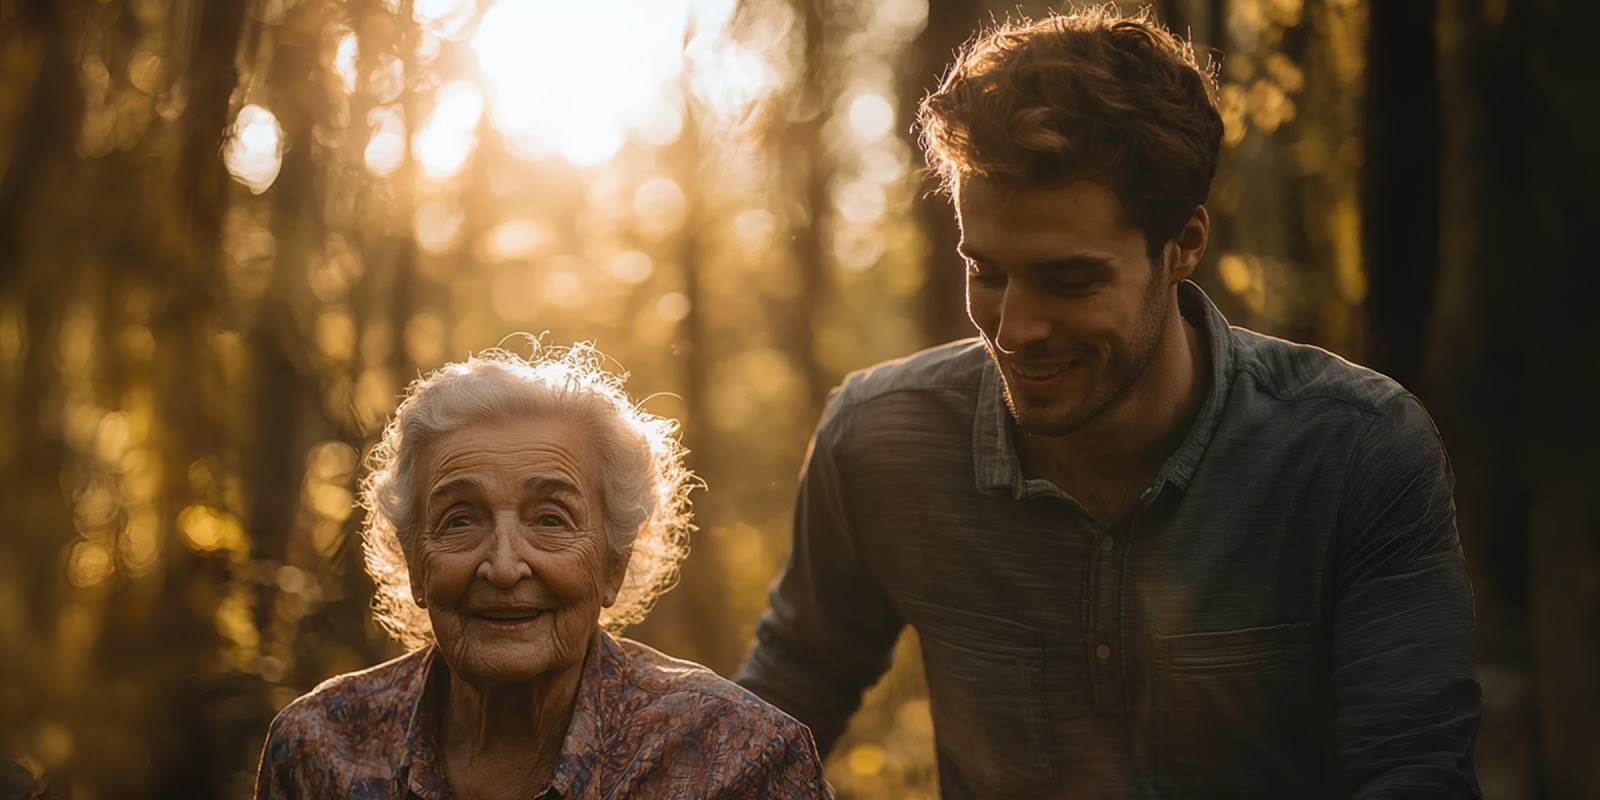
<point>1045,418</point>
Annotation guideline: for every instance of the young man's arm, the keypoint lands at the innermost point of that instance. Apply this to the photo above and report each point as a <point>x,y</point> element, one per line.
<point>830,629</point>
<point>1407,702</point>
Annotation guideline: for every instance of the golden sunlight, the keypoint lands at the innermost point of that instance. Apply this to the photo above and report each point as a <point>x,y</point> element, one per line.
<point>448,19</point>
<point>577,80</point>
<point>444,145</point>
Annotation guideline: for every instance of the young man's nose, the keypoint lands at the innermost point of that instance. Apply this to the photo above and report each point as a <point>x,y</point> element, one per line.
<point>1020,322</point>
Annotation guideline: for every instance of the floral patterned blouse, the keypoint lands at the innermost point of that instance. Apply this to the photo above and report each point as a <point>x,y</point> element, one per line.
<point>644,725</point>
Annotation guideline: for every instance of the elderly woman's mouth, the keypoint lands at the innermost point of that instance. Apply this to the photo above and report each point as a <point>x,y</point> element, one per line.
<point>507,617</point>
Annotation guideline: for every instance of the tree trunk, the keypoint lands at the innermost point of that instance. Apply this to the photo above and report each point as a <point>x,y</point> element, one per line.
<point>941,312</point>
<point>1513,382</point>
<point>1400,190</point>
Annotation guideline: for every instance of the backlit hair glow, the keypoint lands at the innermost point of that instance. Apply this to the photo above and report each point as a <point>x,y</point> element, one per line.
<point>1089,95</point>
<point>643,478</point>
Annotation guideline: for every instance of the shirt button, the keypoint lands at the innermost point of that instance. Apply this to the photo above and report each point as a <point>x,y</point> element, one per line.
<point>1106,543</point>
<point>1103,652</point>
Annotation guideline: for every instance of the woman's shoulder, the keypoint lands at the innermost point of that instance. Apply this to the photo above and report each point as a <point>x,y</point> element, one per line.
<point>679,730</point>
<point>657,683</point>
<point>347,736</point>
<point>355,703</point>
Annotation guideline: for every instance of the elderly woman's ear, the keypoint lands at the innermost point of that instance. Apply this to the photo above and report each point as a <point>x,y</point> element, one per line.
<point>619,573</point>
<point>417,593</point>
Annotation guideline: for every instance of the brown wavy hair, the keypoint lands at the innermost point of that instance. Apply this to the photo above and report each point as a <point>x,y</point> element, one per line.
<point>1088,95</point>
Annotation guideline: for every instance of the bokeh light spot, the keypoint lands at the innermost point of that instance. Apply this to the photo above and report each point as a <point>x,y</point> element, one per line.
<point>632,266</point>
<point>448,19</point>
<point>660,206</point>
<point>254,151</point>
<point>331,501</point>
<point>447,141</point>
<point>866,760</point>
<point>386,151</point>
<point>861,202</point>
<point>755,225</point>
<point>565,289</point>
<point>207,528</point>
<point>871,117</point>
<point>425,339</point>
<point>673,306</point>
<point>518,238</point>
<point>437,226</point>
<point>336,335</point>
<point>89,564</point>
<point>140,546</point>
<point>345,57</point>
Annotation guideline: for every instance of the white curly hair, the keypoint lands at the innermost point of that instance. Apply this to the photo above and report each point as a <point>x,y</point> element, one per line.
<point>642,473</point>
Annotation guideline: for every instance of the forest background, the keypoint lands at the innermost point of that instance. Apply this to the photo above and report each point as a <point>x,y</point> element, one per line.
<point>231,232</point>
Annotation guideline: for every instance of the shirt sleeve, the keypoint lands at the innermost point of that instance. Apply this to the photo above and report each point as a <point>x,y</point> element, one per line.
<point>1407,702</point>
<point>275,774</point>
<point>830,628</point>
<point>788,769</point>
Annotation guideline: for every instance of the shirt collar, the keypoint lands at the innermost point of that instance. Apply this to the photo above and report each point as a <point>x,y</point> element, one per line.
<point>425,775</point>
<point>580,749</point>
<point>996,465</point>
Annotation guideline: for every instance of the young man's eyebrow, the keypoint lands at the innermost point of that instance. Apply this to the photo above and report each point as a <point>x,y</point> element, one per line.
<point>1074,262</point>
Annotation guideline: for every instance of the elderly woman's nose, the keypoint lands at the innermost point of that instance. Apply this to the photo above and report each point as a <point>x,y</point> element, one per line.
<point>507,560</point>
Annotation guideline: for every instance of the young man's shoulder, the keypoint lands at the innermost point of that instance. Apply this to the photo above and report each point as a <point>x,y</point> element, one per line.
<point>1290,371</point>
<point>954,367</point>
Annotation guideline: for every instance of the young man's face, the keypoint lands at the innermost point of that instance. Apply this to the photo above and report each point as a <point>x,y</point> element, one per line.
<point>1065,295</point>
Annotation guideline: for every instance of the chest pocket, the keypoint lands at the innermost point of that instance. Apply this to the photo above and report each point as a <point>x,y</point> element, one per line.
<point>986,691</point>
<point>1234,712</point>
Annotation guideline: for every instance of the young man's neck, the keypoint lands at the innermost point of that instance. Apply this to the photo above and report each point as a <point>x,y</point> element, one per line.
<point>1129,442</point>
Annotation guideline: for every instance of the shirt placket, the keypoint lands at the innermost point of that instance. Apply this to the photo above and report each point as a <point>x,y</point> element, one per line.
<point>1108,646</point>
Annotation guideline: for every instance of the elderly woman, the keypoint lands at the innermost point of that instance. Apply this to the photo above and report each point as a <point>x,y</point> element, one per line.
<point>518,510</point>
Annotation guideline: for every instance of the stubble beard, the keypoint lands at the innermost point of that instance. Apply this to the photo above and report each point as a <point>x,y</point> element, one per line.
<point>1047,421</point>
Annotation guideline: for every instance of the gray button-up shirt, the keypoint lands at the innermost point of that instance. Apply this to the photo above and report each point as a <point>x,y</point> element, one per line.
<point>1284,613</point>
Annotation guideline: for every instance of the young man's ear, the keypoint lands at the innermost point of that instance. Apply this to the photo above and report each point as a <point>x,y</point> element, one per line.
<point>1182,252</point>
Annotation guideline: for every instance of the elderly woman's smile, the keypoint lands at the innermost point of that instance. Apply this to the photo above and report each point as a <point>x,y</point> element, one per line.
<point>512,564</point>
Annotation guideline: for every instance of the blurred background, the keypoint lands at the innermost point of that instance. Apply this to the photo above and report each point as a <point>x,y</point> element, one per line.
<point>231,232</point>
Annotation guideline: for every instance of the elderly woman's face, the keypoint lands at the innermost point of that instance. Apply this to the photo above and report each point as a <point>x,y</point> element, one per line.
<point>511,554</point>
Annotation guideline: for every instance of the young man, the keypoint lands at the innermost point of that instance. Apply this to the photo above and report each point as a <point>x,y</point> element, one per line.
<point>1146,554</point>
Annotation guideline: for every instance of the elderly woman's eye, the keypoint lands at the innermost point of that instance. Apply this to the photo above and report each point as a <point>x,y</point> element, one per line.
<point>550,519</point>
<point>458,521</point>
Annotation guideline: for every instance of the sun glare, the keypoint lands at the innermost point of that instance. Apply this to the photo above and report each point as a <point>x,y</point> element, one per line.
<point>448,19</point>
<point>578,80</point>
<point>345,59</point>
<point>446,142</point>
<point>386,151</point>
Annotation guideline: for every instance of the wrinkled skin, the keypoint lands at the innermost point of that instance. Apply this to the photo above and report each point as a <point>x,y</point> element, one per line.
<point>511,561</point>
